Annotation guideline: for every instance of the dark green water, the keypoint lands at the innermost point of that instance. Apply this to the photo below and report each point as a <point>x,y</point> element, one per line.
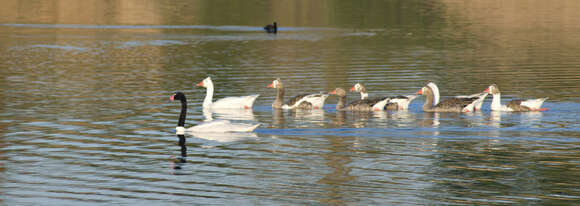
<point>85,117</point>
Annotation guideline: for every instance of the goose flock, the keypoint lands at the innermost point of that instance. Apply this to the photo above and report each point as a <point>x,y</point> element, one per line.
<point>461,103</point>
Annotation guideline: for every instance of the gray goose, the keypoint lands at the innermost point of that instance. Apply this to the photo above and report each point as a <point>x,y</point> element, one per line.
<point>360,105</point>
<point>517,105</point>
<point>303,101</point>
<point>394,103</point>
<point>432,104</point>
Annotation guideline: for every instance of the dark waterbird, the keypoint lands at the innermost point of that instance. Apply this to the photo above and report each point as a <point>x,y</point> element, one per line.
<point>271,28</point>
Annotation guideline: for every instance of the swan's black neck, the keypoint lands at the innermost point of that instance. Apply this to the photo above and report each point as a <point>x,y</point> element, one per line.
<point>183,113</point>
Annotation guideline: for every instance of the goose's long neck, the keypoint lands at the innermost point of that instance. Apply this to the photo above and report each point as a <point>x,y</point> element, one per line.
<point>208,95</point>
<point>496,101</point>
<point>183,113</point>
<point>429,101</point>
<point>435,96</point>
<point>279,98</point>
<point>341,102</point>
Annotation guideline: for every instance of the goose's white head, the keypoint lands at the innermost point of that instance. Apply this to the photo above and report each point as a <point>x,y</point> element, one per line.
<point>434,89</point>
<point>205,83</point>
<point>357,88</point>
<point>492,89</point>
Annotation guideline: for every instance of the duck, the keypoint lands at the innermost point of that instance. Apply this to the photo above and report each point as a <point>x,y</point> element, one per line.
<point>209,126</point>
<point>518,105</point>
<point>271,28</point>
<point>360,105</point>
<point>241,102</point>
<point>399,102</point>
<point>432,104</point>
<point>303,101</point>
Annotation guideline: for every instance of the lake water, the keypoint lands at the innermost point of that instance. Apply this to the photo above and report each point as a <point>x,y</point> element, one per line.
<point>85,117</point>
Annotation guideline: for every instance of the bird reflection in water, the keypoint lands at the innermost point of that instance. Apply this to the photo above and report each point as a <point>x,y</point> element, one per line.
<point>278,120</point>
<point>229,114</point>
<point>177,163</point>
<point>314,116</point>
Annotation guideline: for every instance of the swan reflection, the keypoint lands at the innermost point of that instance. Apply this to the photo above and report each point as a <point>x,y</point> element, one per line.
<point>177,163</point>
<point>229,114</point>
<point>223,136</point>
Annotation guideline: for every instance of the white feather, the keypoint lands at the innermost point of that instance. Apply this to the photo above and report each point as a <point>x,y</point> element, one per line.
<point>534,103</point>
<point>435,90</point>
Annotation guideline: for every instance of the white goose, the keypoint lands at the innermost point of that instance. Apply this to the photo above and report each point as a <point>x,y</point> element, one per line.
<point>304,101</point>
<point>517,105</point>
<point>392,103</point>
<point>209,126</point>
<point>242,102</point>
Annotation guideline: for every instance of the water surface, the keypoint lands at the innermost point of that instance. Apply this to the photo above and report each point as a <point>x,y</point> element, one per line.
<point>85,115</point>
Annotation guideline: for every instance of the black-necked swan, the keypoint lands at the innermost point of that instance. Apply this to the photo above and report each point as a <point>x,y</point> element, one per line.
<point>304,101</point>
<point>432,104</point>
<point>242,102</point>
<point>360,105</point>
<point>517,105</point>
<point>209,126</point>
<point>400,102</point>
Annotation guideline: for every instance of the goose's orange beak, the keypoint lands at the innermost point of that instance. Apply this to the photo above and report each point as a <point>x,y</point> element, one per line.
<point>352,89</point>
<point>333,92</point>
<point>171,98</point>
<point>487,90</point>
<point>271,85</point>
<point>420,92</point>
<point>200,84</point>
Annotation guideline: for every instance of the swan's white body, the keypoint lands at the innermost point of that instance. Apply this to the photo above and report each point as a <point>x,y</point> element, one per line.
<point>514,105</point>
<point>218,126</point>
<point>215,126</point>
<point>241,102</point>
<point>479,102</point>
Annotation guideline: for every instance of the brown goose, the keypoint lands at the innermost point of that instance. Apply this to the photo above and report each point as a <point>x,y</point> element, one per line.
<point>394,103</point>
<point>303,101</point>
<point>517,105</point>
<point>432,104</point>
<point>360,105</point>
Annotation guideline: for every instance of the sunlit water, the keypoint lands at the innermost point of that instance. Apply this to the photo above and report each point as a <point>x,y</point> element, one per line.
<point>85,115</point>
